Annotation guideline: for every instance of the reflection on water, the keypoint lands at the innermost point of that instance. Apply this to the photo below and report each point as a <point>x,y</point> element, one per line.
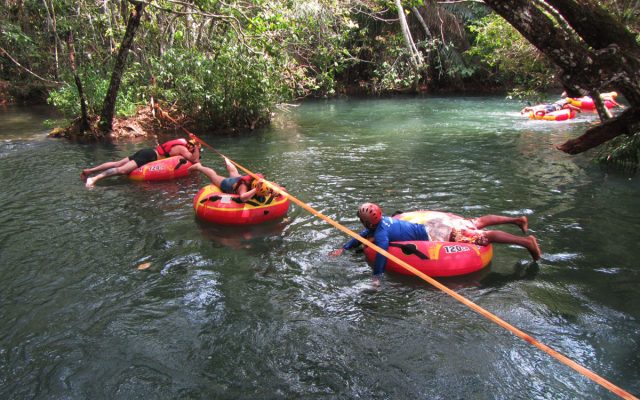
<point>240,237</point>
<point>263,312</point>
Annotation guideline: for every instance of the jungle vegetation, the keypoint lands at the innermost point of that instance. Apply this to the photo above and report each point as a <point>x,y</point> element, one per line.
<point>226,65</point>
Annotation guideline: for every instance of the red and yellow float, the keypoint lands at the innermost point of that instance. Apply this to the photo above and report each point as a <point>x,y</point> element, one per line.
<point>586,102</point>
<point>560,115</point>
<point>437,259</point>
<point>213,205</point>
<point>162,170</point>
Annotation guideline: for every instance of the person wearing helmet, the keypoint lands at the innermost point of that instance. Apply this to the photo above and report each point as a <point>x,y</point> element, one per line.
<point>261,187</point>
<point>383,230</point>
<point>190,150</point>
<point>243,185</point>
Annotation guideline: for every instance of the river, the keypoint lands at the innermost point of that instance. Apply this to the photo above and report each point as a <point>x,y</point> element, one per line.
<point>265,313</point>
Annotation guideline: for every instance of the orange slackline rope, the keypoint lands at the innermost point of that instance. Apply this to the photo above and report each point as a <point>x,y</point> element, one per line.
<point>494,318</point>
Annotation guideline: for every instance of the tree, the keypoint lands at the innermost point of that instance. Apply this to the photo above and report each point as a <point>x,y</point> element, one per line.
<point>415,56</point>
<point>511,59</point>
<point>84,117</point>
<point>106,118</point>
<point>594,51</point>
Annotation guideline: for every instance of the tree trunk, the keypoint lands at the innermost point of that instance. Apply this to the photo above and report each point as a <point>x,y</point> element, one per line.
<point>84,118</point>
<point>606,57</point>
<point>108,110</point>
<point>427,31</point>
<point>51,25</point>
<point>581,17</point>
<point>406,33</point>
<point>416,59</point>
<point>626,123</point>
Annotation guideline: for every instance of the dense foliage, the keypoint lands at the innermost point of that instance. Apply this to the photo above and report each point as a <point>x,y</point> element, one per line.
<point>514,61</point>
<point>227,64</point>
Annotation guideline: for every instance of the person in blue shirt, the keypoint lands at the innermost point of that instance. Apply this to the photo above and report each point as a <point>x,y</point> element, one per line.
<point>382,230</point>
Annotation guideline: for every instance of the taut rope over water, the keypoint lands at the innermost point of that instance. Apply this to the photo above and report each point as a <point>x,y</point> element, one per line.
<point>491,317</point>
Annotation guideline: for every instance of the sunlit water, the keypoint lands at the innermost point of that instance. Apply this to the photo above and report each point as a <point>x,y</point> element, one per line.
<point>265,313</point>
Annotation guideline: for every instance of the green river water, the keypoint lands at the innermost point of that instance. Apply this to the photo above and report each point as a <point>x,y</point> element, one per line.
<point>265,313</point>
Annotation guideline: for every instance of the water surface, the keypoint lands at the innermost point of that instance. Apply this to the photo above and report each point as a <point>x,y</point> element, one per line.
<point>265,313</point>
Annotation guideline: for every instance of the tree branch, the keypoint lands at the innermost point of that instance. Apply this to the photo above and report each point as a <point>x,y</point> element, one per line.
<point>5,53</point>
<point>624,124</point>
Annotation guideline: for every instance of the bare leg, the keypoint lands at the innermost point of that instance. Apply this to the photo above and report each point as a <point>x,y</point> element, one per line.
<point>231,168</point>
<point>488,220</point>
<point>125,169</point>
<point>210,173</point>
<point>111,164</point>
<point>528,242</point>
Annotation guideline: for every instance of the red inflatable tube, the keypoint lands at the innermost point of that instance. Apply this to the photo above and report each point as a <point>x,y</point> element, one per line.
<point>437,259</point>
<point>211,204</point>
<point>162,170</point>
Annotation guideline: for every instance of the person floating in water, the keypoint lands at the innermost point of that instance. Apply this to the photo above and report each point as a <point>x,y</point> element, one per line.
<point>453,229</point>
<point>608,98</point>
<point>547,108</point>
<point>190,150</point>
<point>243,185</point>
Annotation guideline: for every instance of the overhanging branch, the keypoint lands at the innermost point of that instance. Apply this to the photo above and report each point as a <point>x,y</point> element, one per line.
<point>624,124</point>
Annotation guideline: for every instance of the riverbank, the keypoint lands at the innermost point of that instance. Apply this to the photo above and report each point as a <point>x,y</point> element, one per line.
<point>142,124</point>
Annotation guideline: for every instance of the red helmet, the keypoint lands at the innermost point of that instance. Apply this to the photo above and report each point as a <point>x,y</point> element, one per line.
<point>370,214</point>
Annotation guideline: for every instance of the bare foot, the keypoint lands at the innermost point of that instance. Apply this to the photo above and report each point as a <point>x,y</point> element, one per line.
<point>90,183</point>
<point>194,167</point>
<point>533,248</point>
<point>84,175</point>
<point>482,241</point>
<point>524,224</point>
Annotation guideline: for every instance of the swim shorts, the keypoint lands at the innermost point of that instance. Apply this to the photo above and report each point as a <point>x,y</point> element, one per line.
<point>144,156</point>
<point>227,184</point>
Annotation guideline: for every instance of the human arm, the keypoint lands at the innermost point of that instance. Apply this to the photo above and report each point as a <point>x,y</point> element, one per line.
<point>246,196</point>
<point>609,99</point>
<point>350,244</point>
<point>182,151</point>
<point>382,241</point>
<point>195,154</point>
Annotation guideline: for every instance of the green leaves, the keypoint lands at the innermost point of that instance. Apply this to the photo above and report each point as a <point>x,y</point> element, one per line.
<point>221,91</point>
<point>514,60</point>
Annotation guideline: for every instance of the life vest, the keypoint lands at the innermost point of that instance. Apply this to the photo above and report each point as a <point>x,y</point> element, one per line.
<point>247,180</point>
<point>165,148</point>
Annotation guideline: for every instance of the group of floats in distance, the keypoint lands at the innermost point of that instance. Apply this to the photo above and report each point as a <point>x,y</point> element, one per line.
<point>568,107</point>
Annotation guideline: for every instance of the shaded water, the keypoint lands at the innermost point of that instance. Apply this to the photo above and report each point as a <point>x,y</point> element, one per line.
<point>265,313</point>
